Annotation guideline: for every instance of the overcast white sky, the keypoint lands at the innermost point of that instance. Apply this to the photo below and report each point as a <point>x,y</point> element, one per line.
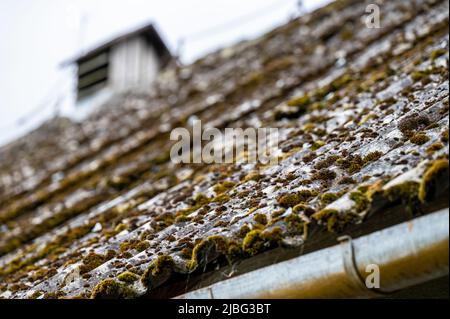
<point>37,35</point>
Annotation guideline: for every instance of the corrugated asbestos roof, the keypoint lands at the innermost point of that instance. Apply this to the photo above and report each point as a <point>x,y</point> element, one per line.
<point>98,209</point>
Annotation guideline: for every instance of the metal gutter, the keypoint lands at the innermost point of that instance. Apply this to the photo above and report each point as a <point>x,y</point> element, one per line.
<point>407,254</point>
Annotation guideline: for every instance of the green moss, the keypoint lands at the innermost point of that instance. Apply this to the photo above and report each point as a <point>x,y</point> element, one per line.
<point>220,199</point>
<point>422,76</point>
<point>289,200</point>
<point>413,123</point>
<point>201,199</point>
<point>54,295</point>
<point>252,80</point>
<point>444,136</point>
<point>431,126</point>
<point>328,198</point>
<point>120,227</point>
<point>142,245</point>
<point>294,223</point>
<point>328,216</point>
<point>405,193</point>
<point>330,160</point>
<point>118,182</point>
<point>279,64</point>
<point>181,212</point>
<point>316,145</point>
<point>126,245</point>
<point>234,252</point>
<point>253,176</point>
<point>36,294</point>
<point>164,220</point>
<point>341,81</point>
<point>346,180</point>
<point>437,53</point>
<point>302,208</point>
<point>186,252</point>
<point>419,139</point>
<point>110,289</point>
<point>273,236</point>
<point>202,252</point>
<point>434,147</point>
<point>308,127</point>
<point>160,264</point>
<point>378,76</point>
<point>162,158</point>
<point>302,101</point>
<point>253,242</point>
<point>223,187</point>
<point>93,260</point>
<point>444,108</point>
<point>371,157</point>
<point>158,271</point>
<point>346,34</point>
<point>361,200</point>
<point>291,113</point>
<point>305,182</point>
<point>277,213</point>
<point>309,157</point>
<point>438,171</point>
<point>334,86</point>
<point>333,219</point>
<point>260,219</point>
<point>352,163</point>
<point>182,219</point>
<point>243,231</point>
<point>320,132</point>
<point>324,175</point>
<point>128,277</point>
<point>256,240</point>
<point>292,199</point>
<point>220,242</point>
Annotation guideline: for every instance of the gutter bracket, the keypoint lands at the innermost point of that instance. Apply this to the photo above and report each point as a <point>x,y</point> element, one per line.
<point>210,292</point>
<point>351,268</point>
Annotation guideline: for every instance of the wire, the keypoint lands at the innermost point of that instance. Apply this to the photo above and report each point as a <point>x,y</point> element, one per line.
<point>232,23</point>
<point>52,99</point>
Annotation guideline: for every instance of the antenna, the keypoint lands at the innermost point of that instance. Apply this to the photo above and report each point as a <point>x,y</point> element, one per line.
<point>84,20</point>
<point>300,5</point>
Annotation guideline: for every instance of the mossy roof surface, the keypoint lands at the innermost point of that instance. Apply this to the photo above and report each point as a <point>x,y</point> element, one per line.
<point>83,203</point>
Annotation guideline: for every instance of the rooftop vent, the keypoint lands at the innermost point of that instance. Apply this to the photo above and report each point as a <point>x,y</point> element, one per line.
<point>129,62</point>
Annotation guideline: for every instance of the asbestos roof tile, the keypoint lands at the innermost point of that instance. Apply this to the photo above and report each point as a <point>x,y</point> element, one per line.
<point>363,122</point>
